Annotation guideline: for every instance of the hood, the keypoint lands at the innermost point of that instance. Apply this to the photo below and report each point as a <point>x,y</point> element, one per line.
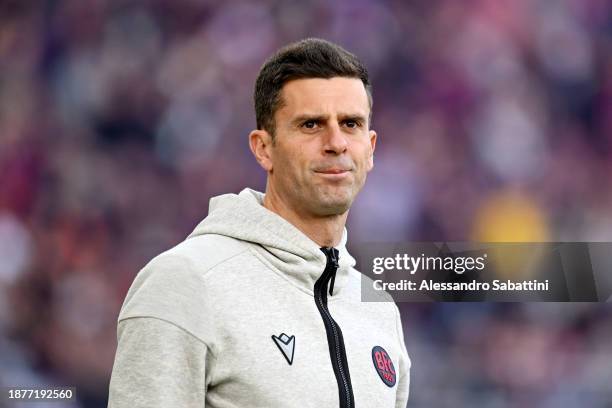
<point>287,249</point>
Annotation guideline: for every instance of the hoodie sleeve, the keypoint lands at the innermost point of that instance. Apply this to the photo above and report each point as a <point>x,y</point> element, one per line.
<point>157,364</point>
<point>403,384</point>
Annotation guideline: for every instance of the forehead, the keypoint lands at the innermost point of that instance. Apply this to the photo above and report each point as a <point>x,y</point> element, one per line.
<point>320,95</point>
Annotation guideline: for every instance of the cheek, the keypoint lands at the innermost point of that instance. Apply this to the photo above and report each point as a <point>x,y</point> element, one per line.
<point>364,161</point>
<point>303,155</point>
<point>290,163</point>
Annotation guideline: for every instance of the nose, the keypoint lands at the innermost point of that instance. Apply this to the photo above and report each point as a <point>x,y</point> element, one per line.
<point>335,141</point>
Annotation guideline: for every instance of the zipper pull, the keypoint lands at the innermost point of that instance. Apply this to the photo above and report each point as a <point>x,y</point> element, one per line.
<point>332,256</point>
<point>331,285</point>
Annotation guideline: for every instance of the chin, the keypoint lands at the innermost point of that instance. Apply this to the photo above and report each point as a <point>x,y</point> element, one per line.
<point>333,210</point>
<point>334,206</point>
<point>330,201</point>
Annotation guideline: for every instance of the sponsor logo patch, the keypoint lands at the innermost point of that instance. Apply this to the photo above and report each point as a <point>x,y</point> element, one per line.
<point>384,366</point>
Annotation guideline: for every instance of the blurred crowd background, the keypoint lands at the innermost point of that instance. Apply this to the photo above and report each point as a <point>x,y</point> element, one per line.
<point>120,119</point>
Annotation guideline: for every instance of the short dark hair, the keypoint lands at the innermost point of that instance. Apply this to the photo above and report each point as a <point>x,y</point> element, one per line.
<point>308,58</point>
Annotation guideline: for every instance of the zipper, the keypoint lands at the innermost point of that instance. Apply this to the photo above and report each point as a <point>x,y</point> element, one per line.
<point>335,340</point>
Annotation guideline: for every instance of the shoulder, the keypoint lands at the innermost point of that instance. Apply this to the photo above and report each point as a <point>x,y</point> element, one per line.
<point>190,259</point>
<point>202,253</point>
<point>174,284</point>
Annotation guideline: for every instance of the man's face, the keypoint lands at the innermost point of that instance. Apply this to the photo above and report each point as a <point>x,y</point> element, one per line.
<point>323,148</point>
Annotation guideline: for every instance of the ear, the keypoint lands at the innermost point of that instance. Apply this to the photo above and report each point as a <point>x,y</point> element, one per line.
<point>373,137</point>
<point>260,142</point>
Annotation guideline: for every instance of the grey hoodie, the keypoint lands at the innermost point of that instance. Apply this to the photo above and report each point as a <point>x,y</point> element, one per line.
<point>227,318</point>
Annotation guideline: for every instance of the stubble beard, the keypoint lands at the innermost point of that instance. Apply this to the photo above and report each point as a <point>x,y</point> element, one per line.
<point>326,200</point>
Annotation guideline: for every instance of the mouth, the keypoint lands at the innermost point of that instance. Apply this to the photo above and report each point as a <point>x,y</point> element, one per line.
<point>334,173</point>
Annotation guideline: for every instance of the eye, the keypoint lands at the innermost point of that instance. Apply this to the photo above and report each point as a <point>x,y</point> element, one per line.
<point>309,124</point>
<point>352,124</point>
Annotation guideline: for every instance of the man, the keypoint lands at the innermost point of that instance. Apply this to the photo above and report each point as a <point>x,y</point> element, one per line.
<point>260,305</point>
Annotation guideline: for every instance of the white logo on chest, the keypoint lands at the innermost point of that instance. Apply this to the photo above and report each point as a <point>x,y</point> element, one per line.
<point>286,345</point>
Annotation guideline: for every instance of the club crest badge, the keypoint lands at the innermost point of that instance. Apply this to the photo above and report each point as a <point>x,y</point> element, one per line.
<point>384,366</point>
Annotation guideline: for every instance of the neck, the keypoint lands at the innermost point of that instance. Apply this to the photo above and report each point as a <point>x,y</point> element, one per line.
<point>326,231</point>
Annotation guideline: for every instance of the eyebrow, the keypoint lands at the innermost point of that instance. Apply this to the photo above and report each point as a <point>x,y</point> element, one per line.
<point>298,120</point>
<point>323,117</point>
